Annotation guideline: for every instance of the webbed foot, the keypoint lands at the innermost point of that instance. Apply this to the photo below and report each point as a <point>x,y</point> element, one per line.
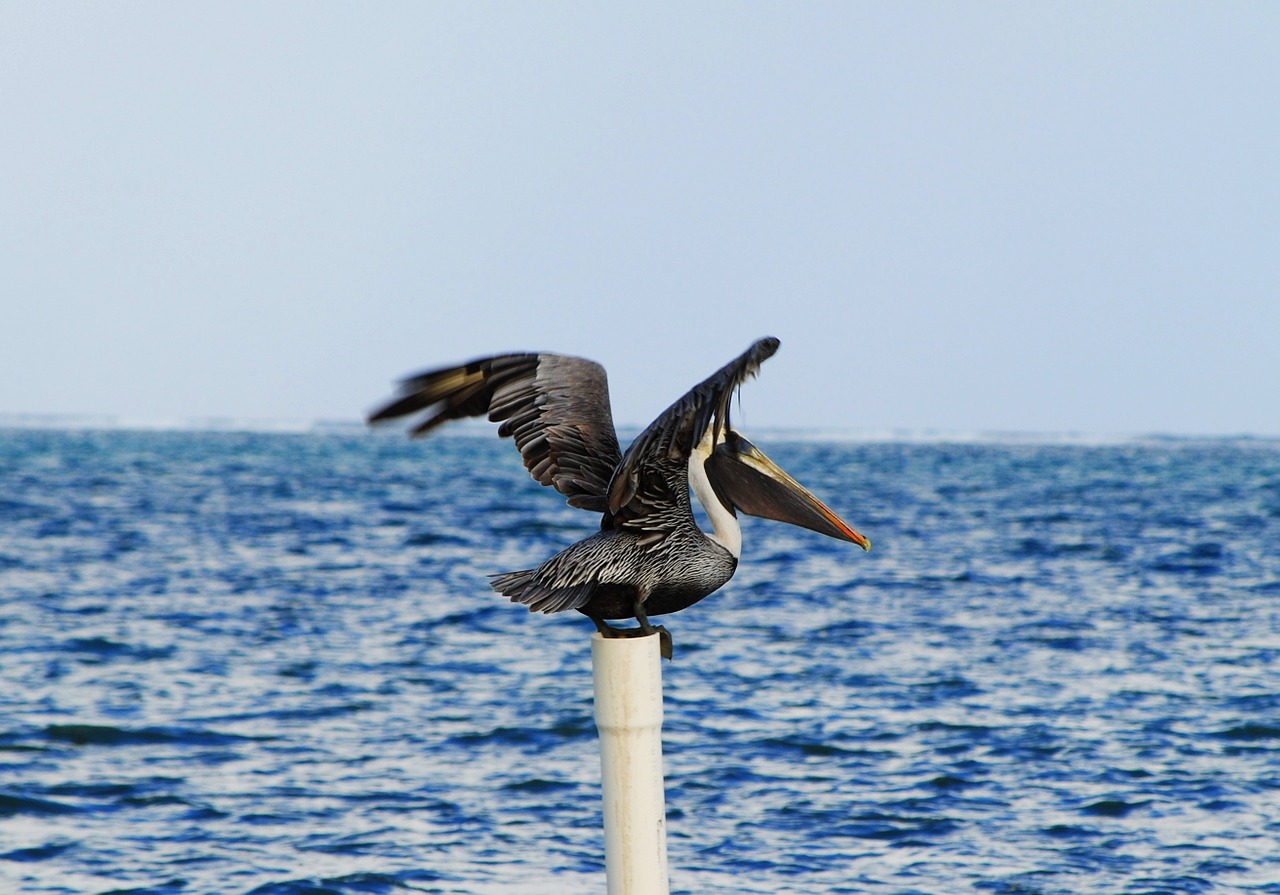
<point>665,643</point>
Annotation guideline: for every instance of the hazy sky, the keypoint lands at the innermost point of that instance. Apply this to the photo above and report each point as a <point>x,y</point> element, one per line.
<point>956,216</point>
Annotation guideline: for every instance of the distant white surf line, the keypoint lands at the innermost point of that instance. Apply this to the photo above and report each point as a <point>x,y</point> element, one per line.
<point>86,422</point>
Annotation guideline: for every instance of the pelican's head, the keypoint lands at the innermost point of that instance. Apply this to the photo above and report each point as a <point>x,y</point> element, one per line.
<point>745,479</point>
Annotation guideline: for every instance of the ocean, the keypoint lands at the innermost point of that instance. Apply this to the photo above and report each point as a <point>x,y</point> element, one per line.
<point>238,662</point>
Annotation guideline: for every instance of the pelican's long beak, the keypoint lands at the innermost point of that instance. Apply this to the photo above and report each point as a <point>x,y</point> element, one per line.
<point>744,477</point>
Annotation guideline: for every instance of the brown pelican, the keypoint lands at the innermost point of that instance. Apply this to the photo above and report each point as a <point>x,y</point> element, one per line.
<point>649,557</point>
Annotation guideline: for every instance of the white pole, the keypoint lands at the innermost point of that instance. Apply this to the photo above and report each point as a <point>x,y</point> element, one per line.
<point>627,673</point>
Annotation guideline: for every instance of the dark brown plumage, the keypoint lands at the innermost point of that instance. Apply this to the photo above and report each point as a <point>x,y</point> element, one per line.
<point>649,556</point>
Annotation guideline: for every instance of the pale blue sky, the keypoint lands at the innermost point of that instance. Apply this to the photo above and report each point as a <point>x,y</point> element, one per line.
<point>957,216</point>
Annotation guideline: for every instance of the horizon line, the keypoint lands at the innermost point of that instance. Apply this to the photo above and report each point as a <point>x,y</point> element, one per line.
<point>71,422</point>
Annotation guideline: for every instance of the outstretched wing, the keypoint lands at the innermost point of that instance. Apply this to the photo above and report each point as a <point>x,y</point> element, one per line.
<point>651,483</point>
<point>556,408</point>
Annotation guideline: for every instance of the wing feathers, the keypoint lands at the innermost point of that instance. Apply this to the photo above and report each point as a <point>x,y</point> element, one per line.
<point>556,408</point>
<point>642,485</point>
<point>524,587</point>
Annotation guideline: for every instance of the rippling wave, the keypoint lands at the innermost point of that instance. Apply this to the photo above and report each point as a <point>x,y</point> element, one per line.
<point>271,663</point>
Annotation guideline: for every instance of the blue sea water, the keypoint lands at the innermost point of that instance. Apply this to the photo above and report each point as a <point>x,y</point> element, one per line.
<point>271,663</point>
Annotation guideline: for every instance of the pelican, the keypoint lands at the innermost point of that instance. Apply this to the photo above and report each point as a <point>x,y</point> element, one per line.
<point>649,556</point>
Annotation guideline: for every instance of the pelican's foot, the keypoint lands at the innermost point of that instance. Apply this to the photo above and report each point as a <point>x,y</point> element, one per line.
<point>665,643</point>
<point>666,646</point>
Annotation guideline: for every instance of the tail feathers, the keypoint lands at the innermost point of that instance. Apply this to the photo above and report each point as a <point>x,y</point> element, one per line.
<point>539,596</point>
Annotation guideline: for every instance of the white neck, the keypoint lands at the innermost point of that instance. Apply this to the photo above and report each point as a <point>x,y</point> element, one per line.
<point>726,531</point>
